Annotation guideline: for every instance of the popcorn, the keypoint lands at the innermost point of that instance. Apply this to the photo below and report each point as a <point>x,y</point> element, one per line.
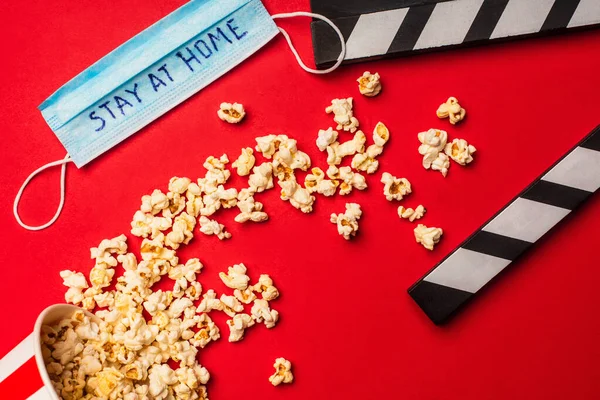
<point>180,287</point>
<point>298,196</point>
<point>326,138</point>
<point>250,210</point>
<point>428,237</point>
<point>107,247</point>
<point>134,371</point>
<point>64,351</point>
<point>188,270</point>
<point>194,203</point>
<point>366,162</point>
<point>410,214</point>
<point>301,161</point>
<point>128,261</point>
<point>369,84</point>
<point>351,180</point>
<point>266,288</point>
<point>190,378</point>
<point>161,378</point>
<point>212,227</point>
<point>394,188</point>
<point>231,305</point>
<point>336,151</point>
<point>432,143</point>
<point>179,185</point>
<point>236,277</point>
<point>73,279</point>
<point>281,170</point>
<point>140,226</point>
<point>216,174</point>
<point>101,276</point>
<point>154,203</point>
<point>232,113</point>
<point>238,325</point>
<point>76,282</point>
<point>381,134</point>
<point>154,250</point>
<point>212,203</point>
<point>245,296</point>
<point>207,332</point>
<point>451,109</point>
<point>176,205</point>
<point>213,164</point>
<point>108,380</point>
<point>268,145</point>
<point>347,223</point>
<point>210,302</point>
<point>184,353</point>
<point>316,182</point>
<point>343,114</point>
<point>262,313</point>
<point>106,299</point>
<point>441,163</point>
<point>245,162</point>
<point>124,355</point>
<point>283,372</point>
<point>182,231</point>
<point>178,306</point>
<point>460,151</point>
<point>261,178</point>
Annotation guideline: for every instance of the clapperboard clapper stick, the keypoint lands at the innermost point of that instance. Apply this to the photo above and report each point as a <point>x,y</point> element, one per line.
<point>511,232</point>
<point>385,28</point>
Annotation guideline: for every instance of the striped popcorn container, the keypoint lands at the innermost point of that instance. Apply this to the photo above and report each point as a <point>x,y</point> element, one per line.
<point>511,232</point>
<point>383,28</point>
<point>22,371</point>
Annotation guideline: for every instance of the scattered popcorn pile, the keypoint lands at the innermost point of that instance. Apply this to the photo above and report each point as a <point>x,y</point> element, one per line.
<point>118,353</point>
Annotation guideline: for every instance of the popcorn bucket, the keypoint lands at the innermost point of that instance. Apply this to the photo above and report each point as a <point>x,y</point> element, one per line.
<point>30,347</point>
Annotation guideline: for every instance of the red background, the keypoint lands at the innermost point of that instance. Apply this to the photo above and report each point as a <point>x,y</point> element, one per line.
<point>347,323</point>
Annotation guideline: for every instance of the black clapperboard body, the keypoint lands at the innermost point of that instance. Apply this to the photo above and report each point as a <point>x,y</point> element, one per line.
<point>385,28</point>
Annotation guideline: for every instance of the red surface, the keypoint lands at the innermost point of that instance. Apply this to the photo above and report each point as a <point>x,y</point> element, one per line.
<point>347,323</point>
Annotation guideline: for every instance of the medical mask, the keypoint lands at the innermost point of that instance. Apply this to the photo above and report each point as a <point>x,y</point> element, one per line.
<point>153,72</point>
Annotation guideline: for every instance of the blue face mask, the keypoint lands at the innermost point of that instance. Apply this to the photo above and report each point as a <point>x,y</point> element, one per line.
<point>152,73</point>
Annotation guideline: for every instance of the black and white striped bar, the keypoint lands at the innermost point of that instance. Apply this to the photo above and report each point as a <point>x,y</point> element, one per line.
<point>380,28</point>
<point>559,191</point>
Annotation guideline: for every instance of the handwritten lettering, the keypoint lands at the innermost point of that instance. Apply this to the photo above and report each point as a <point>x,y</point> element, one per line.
<point>170,71</point>
<point>93,117</point>
<point>209,44</point>
<point>188,60</point>
<point>121,102</point>
<point>215,38</point>
<point>198,48</point>
<point>156,82</point>
<point>234,30</point>
<point>134,92</point>
<point>164,69</point>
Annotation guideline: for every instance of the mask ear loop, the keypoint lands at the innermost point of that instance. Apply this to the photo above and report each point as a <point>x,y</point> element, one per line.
<point>340,58</point>
<point>63,174</point>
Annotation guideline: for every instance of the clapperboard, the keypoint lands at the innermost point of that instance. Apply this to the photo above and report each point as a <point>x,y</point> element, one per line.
<point>385,28</point>
<point>511,232</point>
